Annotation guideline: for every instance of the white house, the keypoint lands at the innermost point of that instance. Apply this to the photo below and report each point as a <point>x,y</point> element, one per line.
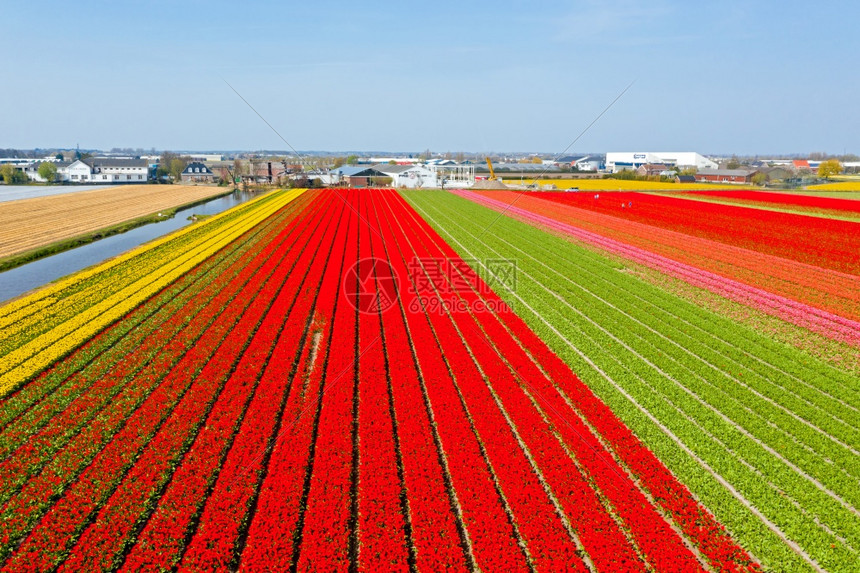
<point>105,170</point>
<point>77,172</point>
<point>618,161</point>
<point>32,170</point>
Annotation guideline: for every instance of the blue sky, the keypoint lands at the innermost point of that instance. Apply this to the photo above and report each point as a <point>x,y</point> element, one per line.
<point>716,77</point>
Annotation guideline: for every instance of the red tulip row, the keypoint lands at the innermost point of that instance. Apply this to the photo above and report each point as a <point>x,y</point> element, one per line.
<point>325,534</point>
<point>217,533</point>
<point>549,544</point>
<point>178,376</point>
<point>492,536</point>
<point>179,510</point>
<point>770,232</point>
<point>117,520</point>
<point>381,521</point>
<point>436,540</point>
<point>816,204</point>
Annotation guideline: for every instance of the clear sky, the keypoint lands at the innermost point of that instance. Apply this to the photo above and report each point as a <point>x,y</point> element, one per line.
<point>716,77</point>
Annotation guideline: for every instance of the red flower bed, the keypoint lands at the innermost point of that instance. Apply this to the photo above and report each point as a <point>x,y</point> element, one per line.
<point>381,524</point>
<point>435,538</point>
<point>218,529</point>
<point>788,235</point>
<point>161,541</point>
<point>271,535</point>
<point>831,291</point>
<point>830,205</point>
<point>549,544</point>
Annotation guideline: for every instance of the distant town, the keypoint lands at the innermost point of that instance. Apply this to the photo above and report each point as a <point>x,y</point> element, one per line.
<point>408,170</point>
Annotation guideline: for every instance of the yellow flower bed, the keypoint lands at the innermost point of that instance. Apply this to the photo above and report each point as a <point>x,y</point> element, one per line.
<point>26,360</point>
<point>620,185</point>
<point>840,186</point>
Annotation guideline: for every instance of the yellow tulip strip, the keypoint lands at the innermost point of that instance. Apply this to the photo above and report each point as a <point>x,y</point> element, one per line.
<point>66,287</point>
<point>100,286</point>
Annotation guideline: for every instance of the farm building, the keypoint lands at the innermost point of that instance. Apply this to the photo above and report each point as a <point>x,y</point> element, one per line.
<point>652,169</point>
<point>356,176</point>
<point>582,162</point>
<point>777,173</point>
<point>197,171</point>
<point>725,175</point>
<point>409,176</point>
<point>633,160</point>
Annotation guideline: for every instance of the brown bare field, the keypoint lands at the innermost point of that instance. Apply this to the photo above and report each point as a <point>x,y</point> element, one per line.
<point>29,224</point>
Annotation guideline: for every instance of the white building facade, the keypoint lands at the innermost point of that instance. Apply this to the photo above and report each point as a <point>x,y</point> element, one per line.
<point>620,160</point>
<point>111,171</point>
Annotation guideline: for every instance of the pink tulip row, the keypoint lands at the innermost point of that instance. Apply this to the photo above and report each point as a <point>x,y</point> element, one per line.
<point>816,319</point>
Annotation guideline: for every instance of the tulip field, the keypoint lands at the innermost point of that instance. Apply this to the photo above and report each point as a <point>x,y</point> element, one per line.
<point>764,435</point>
<point>374,380</point>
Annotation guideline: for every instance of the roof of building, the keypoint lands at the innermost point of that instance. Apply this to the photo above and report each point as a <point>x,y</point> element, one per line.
<point>113,162</point>
<point>389,169</point>
<point>357,171</point>
<point>524,167</point>
<point>196,165</point>
<point>727,172</point>
<point>801,163</point>
<point>686,178</point>
<point>59,164</point>
<point>784,168</point>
